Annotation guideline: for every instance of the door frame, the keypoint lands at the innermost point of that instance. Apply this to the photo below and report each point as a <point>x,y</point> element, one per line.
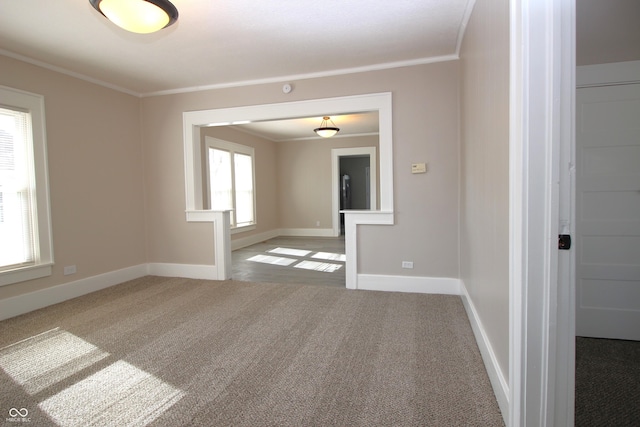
<point>336,153</point>
<point>541,135</point>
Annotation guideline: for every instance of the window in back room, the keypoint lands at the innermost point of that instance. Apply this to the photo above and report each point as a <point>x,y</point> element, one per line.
<point>230,181</point>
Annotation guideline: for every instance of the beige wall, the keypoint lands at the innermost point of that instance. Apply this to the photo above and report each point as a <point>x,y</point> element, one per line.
<point>304,179</point>
<point>484,198</point>
<point>117,170</point>
<point>95,174</point>
<point>607,31</point>
<point>425,120</point>
<point>425,129</point>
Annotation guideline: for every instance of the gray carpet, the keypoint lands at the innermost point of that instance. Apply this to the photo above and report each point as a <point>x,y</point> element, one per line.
<point>607,382</point>
<point>172,352</point>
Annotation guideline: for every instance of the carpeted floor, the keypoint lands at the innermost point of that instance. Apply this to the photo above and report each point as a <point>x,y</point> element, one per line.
<point>173,352</point>
<point>607,382</point>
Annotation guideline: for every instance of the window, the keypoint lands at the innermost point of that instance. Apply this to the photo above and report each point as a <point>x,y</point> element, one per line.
<point>230,171</point>
<point>25,226</point>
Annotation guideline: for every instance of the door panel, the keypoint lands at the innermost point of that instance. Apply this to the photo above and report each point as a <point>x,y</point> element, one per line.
<point>608,212</point>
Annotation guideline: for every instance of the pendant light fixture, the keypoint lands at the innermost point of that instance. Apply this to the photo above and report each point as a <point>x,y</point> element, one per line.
<point>325,130</point>
<point>138,16</point>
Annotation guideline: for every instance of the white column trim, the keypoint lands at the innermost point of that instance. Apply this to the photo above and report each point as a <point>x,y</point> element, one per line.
<point>352,219</point>
<point>542,36</point>
<point>221,239</point>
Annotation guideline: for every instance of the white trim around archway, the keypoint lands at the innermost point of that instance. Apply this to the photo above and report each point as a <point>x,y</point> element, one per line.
<point>193,121</point>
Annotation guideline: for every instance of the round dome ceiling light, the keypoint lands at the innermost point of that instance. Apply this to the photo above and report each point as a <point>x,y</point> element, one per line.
<point>138,16</point>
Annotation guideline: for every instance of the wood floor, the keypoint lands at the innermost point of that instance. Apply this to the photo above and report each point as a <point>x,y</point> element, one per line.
<point>303,260</point>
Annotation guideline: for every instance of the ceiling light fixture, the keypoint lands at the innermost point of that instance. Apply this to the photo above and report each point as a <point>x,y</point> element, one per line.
<point>325,130</point>
<point>138,16</point>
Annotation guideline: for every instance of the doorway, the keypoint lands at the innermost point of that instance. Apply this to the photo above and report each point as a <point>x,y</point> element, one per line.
<point>354,182</point>
<point>608,212</point>
<point>607,268</point>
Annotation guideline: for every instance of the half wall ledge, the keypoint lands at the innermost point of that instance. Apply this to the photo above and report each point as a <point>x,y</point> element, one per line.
<point>353,218</point>
<point>222,237</point>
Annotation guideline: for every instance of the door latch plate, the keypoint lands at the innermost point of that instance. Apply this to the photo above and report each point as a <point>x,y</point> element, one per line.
<point>564,242</point>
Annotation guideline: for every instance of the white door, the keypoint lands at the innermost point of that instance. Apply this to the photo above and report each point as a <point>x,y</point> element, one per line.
<point>608,212</point>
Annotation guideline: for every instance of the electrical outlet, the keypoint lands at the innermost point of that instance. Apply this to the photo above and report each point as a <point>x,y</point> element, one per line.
<point>69,269</point>
<point>317,223</point>
<point>407,264</point>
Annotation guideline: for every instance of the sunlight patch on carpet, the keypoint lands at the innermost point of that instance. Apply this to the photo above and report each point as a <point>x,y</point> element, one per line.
<point>119,394</point>
<point>48,358</point>
<point>326,267</point>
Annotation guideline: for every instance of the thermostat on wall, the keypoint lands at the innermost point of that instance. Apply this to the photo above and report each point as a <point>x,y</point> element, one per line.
<point>418,168</point>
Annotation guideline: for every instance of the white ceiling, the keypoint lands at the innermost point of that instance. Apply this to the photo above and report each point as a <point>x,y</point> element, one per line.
<point>237,42</point>
<point>301,129</point>
<point>232,42</point>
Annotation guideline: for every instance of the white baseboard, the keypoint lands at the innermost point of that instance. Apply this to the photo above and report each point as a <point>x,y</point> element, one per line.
<point>21,304</point>
<point>189,271</point>
<point>15,306</point>
<point>421,285</point>
<point>243,242</point>
<point>498,382</point>
<point>307,232</point>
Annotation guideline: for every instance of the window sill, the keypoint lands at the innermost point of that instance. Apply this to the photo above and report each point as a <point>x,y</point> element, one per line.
<point>243,228</point>
<point>23,274</point>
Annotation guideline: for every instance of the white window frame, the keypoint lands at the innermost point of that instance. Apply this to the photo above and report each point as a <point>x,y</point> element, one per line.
<point>43,263</point>
<point>232,148</point>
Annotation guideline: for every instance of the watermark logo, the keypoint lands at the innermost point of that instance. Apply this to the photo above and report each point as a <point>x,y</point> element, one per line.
<point>20,415</point>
